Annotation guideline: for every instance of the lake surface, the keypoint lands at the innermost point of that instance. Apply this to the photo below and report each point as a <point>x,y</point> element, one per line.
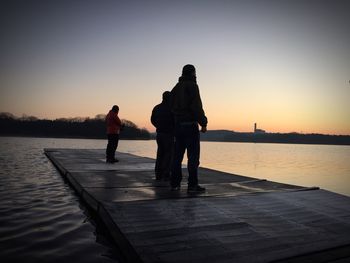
<point>325,166</point>
<point>42,220</point>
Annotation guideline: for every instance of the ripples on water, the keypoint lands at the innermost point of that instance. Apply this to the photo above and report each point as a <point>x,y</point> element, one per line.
<point>41,219</point>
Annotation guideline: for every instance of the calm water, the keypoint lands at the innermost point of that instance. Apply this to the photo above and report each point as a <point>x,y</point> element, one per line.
<point>42,220</point>
<point>325,166</point>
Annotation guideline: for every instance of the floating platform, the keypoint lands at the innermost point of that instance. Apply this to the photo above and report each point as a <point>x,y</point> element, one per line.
<point>238,218</point>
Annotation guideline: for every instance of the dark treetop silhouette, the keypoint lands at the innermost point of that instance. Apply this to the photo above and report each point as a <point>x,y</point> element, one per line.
<point>94,128</point>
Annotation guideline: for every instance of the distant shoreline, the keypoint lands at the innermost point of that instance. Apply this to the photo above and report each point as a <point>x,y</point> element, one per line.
<point>68,137</point>
<point>203,138</point>
<point>86,128</point>
<point>300,143</point>
<point>286,138</point>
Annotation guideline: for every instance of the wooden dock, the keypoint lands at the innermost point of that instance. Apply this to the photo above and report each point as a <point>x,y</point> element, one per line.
<point>238,219</point>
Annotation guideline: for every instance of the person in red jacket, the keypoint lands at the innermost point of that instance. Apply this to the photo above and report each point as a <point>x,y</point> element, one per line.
<point>113,129</point>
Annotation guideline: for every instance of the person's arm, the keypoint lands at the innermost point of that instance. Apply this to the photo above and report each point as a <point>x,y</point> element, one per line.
<point>197,108</point>
<point>154,117</point>
<point>117,121</point>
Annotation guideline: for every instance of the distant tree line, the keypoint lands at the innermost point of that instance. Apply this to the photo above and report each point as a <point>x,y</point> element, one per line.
<point>95,128</point>
<point>297,138</point>
<point>79,127</point>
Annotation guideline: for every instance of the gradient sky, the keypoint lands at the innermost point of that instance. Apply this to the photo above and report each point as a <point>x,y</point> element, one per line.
<point>282,64</point>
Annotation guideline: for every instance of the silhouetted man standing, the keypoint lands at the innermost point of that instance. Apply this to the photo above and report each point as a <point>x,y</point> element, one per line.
<point>113,129</point>
<point>188,112</point>
<point>163,119</point>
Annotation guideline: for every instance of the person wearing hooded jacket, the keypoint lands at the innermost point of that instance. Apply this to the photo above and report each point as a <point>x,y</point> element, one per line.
<point>188,113</point>
<point>163,119</point>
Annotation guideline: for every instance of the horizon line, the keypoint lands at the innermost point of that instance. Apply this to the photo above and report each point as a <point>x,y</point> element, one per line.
<point>24,116</point>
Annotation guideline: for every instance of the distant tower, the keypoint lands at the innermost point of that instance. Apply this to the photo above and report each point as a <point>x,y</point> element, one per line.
<point>256,130</point>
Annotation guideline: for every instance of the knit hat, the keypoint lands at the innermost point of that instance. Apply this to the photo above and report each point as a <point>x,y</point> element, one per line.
<point>115,108</point>
<point>188,70</point>
<point>166,95</point>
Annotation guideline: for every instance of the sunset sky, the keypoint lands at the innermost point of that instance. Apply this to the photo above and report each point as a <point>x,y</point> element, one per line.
<point>282,64</point>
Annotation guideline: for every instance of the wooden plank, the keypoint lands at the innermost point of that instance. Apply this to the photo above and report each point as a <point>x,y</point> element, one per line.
<point>238,219</point>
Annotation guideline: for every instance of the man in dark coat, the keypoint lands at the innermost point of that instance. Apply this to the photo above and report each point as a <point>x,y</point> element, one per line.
<point>188,112</point>
<point>162,118</point>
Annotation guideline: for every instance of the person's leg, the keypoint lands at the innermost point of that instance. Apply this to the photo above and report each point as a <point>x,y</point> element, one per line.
<point>193,151</point>
<point>158,166</point>
<point>179,151</point>
<point>109,148</point>
<point>115,146</point>
<point>167,155</point>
